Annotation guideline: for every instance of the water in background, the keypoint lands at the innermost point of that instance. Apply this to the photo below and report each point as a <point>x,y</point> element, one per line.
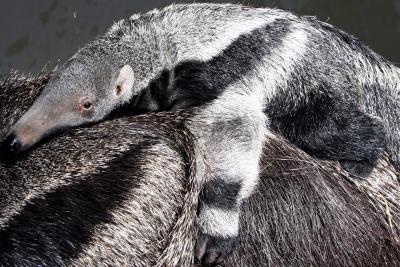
<point>39,32</point>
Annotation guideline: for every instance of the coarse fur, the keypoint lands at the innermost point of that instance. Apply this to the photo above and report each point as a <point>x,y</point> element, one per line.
<point>252,71</point>
<point>81,208</point>
<point>83,199</point>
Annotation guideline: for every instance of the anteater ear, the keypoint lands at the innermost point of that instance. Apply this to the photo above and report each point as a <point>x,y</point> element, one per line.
<point>124,83</point>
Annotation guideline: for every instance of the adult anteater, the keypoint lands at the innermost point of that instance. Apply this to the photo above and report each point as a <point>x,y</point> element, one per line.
<point>121,194</point>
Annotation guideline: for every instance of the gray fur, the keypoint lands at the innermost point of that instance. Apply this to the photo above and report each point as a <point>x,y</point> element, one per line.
<point>129,226</point>
<point>305,212</point>
<point>294,62</point>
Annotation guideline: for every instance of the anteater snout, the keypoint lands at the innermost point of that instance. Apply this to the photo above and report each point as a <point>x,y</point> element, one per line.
<point>12,145</point>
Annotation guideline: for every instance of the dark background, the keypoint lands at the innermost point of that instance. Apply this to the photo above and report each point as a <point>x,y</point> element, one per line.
<point>38,32</point>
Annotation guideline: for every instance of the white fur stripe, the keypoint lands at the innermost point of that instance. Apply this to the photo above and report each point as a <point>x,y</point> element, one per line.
<point>227,34</point>
<point>275,69</point>
<point>218,222</point>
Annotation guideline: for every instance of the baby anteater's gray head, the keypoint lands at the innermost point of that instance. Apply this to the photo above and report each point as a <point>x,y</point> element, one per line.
<point>84,90</point>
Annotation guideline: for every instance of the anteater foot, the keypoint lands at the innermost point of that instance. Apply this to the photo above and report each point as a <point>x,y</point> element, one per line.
<point>212,250</point>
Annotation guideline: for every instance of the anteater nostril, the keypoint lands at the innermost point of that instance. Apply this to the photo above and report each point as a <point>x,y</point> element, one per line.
<point>11,145</point>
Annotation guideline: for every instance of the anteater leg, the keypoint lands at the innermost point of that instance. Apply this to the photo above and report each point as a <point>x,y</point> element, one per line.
<point>333,129</point>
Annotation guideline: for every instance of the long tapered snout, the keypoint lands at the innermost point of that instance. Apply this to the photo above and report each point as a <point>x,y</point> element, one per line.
<point>27,132</point>
<point>38,123</point>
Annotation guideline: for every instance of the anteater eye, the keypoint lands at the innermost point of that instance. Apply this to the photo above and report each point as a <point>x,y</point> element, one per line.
<point>87,105</point>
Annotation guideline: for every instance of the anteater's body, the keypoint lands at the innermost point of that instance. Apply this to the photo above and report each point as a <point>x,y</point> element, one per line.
<point>250,71</point>
<point>129,204</point>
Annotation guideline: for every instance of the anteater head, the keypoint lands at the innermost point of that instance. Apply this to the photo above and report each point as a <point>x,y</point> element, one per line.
<point>84,90</point>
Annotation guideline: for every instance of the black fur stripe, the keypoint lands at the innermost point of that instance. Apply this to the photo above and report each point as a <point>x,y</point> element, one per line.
<point>52,229</point>
<point>330,128</point>
<point>196,83</point>
<point>221,194</point>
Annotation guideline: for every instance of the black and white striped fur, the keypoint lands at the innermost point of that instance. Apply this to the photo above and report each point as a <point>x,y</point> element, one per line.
<point>84,200</point>
<point>252,71</point>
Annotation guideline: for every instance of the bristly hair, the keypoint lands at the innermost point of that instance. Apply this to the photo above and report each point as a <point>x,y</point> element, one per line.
<point>305,212</point>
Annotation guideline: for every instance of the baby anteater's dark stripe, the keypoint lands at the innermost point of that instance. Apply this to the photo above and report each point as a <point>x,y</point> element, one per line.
<point>196,82</point>
<point>221,194</point>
